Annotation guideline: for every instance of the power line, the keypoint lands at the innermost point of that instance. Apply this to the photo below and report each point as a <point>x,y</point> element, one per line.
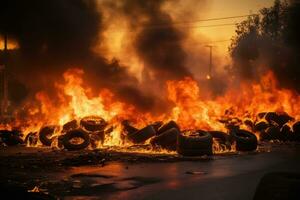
<point>202,20</point>
<point>172,24</point>
<point>212,25</point>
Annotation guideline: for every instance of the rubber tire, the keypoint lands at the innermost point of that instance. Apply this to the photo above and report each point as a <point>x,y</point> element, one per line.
<point>220,135</point>
<point>274,133</point>
<point>167,126</point>
<point>261,126</point>
<point>44,133</point>
<point>296,131</point>
<point>93,123</point>
<point>166,140</point>
<point>195,146</point>
<point>96,137</point>
<point>31,138</point>
<point>71,125</point>
<point>11,138</point>
<point>157,125</point>
<point>249,123</point>
<point>73,134</point>
<point>287,132</point>
<point>245,140</point>
<point>296,127</point>
<point>224,137</point>
<point>128,128</point>
<point>279,119</point>
<point>142,135</point>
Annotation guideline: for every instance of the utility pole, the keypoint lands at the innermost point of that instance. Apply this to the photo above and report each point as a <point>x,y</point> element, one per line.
<point>209,75</point>
<point>4,86</point>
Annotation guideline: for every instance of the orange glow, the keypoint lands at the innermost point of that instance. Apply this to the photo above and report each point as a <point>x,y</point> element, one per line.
<point>190,110</point>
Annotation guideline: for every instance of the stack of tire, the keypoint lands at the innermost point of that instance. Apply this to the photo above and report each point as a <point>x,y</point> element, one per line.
<point>188,143</point>
<point>276,126</point>
<point>11,137</point>
<point>160,136</point>
<point>90,130</point>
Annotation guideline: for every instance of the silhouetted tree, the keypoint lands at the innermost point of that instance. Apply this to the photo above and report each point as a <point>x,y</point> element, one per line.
<point>272,36</point>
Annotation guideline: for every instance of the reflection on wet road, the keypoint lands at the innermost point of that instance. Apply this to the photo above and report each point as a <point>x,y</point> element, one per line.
<point>222,178</point>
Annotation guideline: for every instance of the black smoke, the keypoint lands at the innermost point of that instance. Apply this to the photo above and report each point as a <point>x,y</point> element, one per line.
<point>54,35</point>
<point>158,43</point>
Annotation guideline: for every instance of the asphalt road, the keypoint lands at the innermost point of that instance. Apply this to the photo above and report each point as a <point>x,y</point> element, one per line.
<point>223,177</point>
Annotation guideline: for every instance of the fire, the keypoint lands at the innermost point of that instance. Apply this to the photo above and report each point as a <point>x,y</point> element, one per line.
<point>190,110</point>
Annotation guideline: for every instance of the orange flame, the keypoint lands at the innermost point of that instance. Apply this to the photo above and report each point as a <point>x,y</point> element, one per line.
<point>190,110</point>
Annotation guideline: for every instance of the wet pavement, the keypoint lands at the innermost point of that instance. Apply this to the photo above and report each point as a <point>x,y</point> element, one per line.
<point>222,177</point>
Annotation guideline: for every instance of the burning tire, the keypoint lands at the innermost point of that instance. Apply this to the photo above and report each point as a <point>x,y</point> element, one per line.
<point>96,138</point>
<point>167,126</point>
<point>142,135</point>
<point>249,123</point>
<point>287,132</point>
<point>261,126</point>
<point>157,125</point>
<point>71,125</point>
<point>166,140</point>
<point>222,138</point>
<point>273,133</point>
<point>128,128</point>
<point>93,123</point>
<point>279,119</point>
<point>69,136</point>
<point>31,138</point>
<point>296,131</point>
<point>196,143</point>
<point>11,138</point>
<point>296,127</point>
<point>45,135</point>
<point>245,140</point>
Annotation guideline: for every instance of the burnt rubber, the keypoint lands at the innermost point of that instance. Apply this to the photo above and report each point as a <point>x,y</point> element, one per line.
<point>296,131</point>
<point>245,140</point>
<point>157,125</point>
<point>166,140</point>
<point>93,123</point>
<point>45,135</point>
<point>296,127</point>
<point>167,126</point>
<point>197,144</point>
<point>261,126</point>
<point>71,125</point>
<point>66,140</point>
<point>249,123</point>
<point>222,137</point>
<point>287,132</point>
<point>11,138</point>
<point>31,138</point>
<point>279,119</point>
<point>272,133</point>
<point>142,135</point>
<point>128,128</point>
<point>96,138</point>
